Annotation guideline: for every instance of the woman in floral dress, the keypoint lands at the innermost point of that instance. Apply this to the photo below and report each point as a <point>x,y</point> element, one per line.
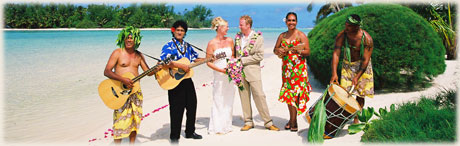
<point>292,47</point>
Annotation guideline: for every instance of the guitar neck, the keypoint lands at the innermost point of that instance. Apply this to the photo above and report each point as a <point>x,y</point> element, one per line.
<point>199,62</point>
<point>135,79</point>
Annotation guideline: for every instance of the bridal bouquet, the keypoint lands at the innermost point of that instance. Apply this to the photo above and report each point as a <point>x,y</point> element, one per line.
<point>235,72</point>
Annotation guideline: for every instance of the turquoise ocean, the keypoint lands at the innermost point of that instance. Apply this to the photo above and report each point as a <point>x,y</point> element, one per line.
<point>51,77</point>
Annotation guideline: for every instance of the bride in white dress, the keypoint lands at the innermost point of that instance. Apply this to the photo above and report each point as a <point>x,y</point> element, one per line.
<point>220,121</point>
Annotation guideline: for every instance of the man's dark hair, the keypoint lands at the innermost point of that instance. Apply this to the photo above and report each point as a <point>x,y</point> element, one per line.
<point>356,17</point>
<point>180,23</point>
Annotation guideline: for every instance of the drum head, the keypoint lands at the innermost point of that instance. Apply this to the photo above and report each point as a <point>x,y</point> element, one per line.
<point>342,97</point>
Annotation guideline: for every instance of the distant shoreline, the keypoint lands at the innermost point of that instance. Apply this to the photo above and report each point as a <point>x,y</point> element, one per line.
<point>108,29</point>
<point>87,29</point>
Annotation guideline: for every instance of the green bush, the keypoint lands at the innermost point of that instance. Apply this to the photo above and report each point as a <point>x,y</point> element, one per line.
<point>407,51</point>
<point>425,121</point>
<point>447,98</point>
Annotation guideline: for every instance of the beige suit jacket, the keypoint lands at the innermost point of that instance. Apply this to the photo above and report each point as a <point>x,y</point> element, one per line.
<point>251,63</point>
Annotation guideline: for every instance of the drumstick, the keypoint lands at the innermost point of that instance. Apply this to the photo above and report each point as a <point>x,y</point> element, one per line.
<point>352,88</point>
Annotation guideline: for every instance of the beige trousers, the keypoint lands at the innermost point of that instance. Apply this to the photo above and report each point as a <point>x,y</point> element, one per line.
<point>254,87</point>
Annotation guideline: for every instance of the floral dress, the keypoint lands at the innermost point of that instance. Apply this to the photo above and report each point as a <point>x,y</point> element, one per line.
<point>295,89</point>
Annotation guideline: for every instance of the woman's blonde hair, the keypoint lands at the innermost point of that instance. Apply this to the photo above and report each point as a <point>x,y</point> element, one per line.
<point>218,21</point>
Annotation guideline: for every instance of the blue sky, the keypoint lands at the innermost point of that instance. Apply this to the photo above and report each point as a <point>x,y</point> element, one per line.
<point>263,15</point>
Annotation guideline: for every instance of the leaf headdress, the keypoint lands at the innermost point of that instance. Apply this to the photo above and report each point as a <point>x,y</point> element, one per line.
<point>124,33</point>
<point>352,20</point>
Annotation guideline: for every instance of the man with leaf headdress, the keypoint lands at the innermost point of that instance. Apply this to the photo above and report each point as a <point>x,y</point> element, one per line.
<point>356,72</point>
<point>126,120</point>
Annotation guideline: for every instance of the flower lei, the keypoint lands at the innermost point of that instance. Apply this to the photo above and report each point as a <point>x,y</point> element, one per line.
<point>287,45</point>
<point>291,44</point>
<point>235,72</point>
<point>245,52</point>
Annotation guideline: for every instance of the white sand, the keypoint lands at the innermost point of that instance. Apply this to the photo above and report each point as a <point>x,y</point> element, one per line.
<point>155,128</point>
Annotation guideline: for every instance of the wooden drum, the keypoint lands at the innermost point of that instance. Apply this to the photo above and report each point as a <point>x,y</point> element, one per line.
<point>341,109</point>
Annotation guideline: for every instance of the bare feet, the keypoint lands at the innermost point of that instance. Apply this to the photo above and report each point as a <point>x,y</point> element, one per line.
<point>294,128</point>
<point>288,126</point>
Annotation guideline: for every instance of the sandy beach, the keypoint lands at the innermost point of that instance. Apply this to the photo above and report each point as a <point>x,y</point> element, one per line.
<point>155,127</point>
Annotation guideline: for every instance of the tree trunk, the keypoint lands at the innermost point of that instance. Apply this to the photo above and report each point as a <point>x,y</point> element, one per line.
<point>452,53</point>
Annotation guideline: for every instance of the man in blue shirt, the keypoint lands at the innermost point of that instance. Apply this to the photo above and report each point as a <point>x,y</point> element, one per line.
<point>184,95</point>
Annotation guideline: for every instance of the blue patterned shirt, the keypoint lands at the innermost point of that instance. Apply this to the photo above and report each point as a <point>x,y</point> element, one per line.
<point>170,48</point>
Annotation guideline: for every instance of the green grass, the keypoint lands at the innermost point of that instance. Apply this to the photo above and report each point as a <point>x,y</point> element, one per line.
<point>428,120</point>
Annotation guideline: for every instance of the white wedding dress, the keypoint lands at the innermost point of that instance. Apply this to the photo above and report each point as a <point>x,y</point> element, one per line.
<point>220,121</point>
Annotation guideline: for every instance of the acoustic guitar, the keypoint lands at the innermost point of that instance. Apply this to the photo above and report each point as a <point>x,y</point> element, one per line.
<point>114,93</point>
<point>169,78</point>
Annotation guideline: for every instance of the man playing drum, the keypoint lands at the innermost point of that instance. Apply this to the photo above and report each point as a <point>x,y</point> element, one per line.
<point>356,66</point>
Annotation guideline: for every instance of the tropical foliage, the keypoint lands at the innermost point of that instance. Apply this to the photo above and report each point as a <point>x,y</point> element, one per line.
<point>442,17</point>
<point>428,120</point>
<point>37,15</point>
<point>407,53</point>
<point>318,122</point>
<point>365,115</point>
<point>198,16</point>
<point>328,8</point>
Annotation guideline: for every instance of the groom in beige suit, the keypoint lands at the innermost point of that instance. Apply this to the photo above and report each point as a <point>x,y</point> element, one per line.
<point>249,46</point>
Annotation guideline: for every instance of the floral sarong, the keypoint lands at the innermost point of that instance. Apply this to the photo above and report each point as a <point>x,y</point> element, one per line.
<point>296,88</point>
<point>128,118</point>
<point>365,85</point>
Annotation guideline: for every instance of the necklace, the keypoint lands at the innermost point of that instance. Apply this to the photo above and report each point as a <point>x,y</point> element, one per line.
<point>177,47</point>
<point>245,52</point>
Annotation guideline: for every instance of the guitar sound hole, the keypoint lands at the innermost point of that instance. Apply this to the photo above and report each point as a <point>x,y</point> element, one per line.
<point>181,71</point>
<point>126,90</point>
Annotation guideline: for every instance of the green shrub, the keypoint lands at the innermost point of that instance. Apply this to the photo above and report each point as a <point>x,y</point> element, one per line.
<point>447,98</point>
<point>407,51</point>
<point>425,121</point>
